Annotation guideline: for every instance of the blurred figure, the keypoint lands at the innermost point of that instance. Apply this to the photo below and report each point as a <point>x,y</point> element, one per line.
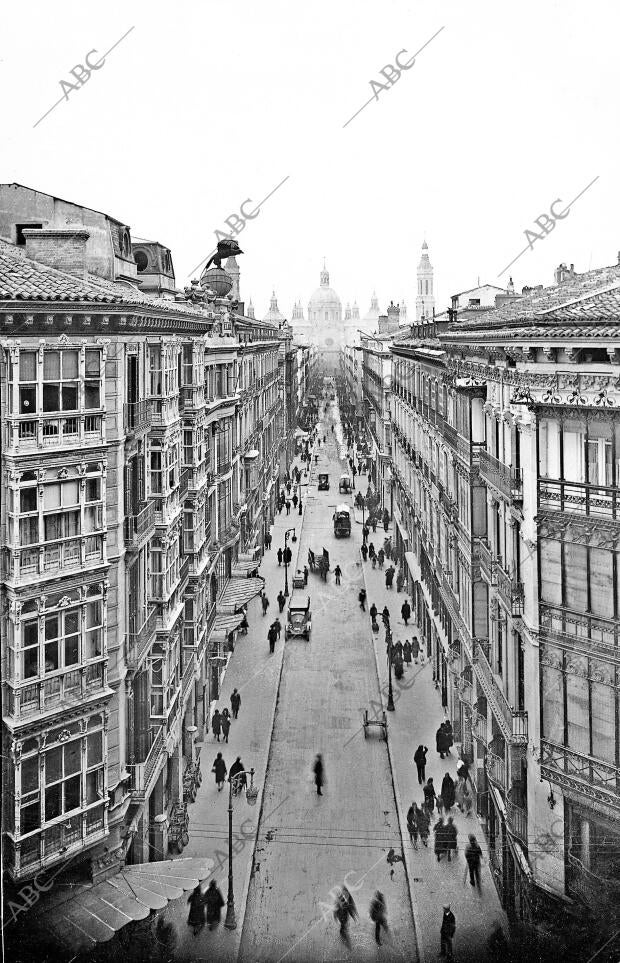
<point>378,914</point>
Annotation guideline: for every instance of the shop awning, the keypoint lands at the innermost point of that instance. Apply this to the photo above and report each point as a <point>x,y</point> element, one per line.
<point>96,913</point>
<point>226,622</point>
<point>238,592</point>
<point>244,567</point>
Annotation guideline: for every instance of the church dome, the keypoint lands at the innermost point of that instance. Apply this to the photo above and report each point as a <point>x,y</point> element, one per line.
<point>324,305</point>
<point>274,315</point>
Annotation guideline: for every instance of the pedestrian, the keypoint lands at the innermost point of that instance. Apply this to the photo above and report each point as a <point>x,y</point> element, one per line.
<point>306,573</point>
<point>278,627</point>
<point>397,652</point>
<point>440,741</point>
<point>451,838</point>
<point>439,829</point>
<point>449,736</point>
<point>281,600</point>
<point>439,804</point>
<point>429,795</point>
<point>300,507</point>
<point>235,703</point>
<point>267,540</point>
<point>467,800</point>
<point>319,778</point>
<point>243,628</point>
<point>338,573</point>
<point>288,506</point>
<point>237,777</point>
<point>386,519</point>
<point>280,554</point>
<point>225,726</point>
<point>373,612</point>
<point>288,555</point>
<point>448,929</point>
<point>462,770</point>
<point>364,551</point>
<point>405,611</point>
<point>389,577</point>
<point>387,547</point>
<point>400,581</point>
<point>415,649</point>
<point>220,770</point>
<point>216,724</point>
<point>196,918</point>
<point>265,603</point>
<point>458,793</point>
<point>214,902</point>
<point>424,823</point>
<point>412,824</point>
<point>295,500</point>
<point>365,534</point>
<point>407,652</point>
<point>373,556</point>
<point>420,761</point>
<point>380,557</point>
<point>385,615</point>
<point>345,907</point>
<point>447,791</point>
<point>271,638</point>
<point>378,914</point>
<point>473,857</point>
<point>373,524</point>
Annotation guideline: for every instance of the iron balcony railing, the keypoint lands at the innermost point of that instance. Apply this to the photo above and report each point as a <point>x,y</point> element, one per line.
<point>137,414</point>
<point>137,526</point>
<point>601,501</point>
<point>506,480</point>
<point>513,722</point>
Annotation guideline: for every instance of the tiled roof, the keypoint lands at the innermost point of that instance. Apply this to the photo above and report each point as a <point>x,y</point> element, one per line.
<point>588,297</point>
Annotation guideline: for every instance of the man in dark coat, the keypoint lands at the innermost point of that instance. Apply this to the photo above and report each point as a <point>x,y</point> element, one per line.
<point>235,770</point>
<point>364,552</point>
<point>441,840</point>
<point>216,724</point>
<point>373,611</point>
<point>288,555</point>
<point>225,726</point>
<point>451,838</point>
<point>448,929</point>
<point>264,602</point>
<point>213,901</point>
<point>220,770</point>
<point>440,741</point>
<point>272,635</point>
<point>405,611</point>
<point>473,856</point>
<point>362,599</point>
<point>235,703</point>
<point>420,761</point>
<point>281,600</point>
<point>280,556</point>
<point>318,774</point>
<point>447,791</point>
<point>429,795</point>
<point>196,918</point>
<point>365,534</point>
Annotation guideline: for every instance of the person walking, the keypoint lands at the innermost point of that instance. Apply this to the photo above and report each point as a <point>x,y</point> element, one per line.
<point>338,574</point>
<point>386,519</point>
<point>225,726</point>
<point>214,901</point>
<point>264,601</point>
<point>235,703</point>
<point>372,555</point>
<point>378,914</point>
<point>439,830</point>
<point>385,615</point>
<point>473,858</point>
<point>216,724</point>
<point>447,931</point>
<point>319,777</point>
<point>407,652</point>
<point>288,506</point>
<point>281,599</point>
<point>429,795</point>
<point>220,770</point>
<point>237,776</point>
<point>278,627</point>
<point>380,557</point>
<point>405,611</point>
<point>439,804</point>
<point>365,534</point>
<point>420,761</point>
<point>267,540</point>
<point>306,573</point>
<point>196,918</point>
<point>447,791</point>
<point>362,599</point>
<point>364,551</point>
<point>451,838</point>
<point>440,741</point>
<point>468,802</point>
<point>301,509</point>
<point>373,611</point>
<point>280,555</point>
<point>458,793</point>
<point>389,577</point>
<point>272,635</point>
<point>295,500</point>
<point>424,824</point>
<point>288,555</point>
<point>462,770</point>
<point>345,907</point>
<point>412,824</point>
<point>400,581</point>
<point>397,652</point>
<point>373,523</point>
<point>449,736</point>
<point>415,649</point>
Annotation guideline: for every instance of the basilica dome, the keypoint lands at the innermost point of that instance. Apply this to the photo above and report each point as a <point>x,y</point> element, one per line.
<point>324,305</point>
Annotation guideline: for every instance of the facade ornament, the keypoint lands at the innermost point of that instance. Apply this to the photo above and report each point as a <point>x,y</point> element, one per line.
<point>63,473</point>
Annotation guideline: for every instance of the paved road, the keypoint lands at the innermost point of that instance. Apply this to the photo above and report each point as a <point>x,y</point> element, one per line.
<point>313,844</point>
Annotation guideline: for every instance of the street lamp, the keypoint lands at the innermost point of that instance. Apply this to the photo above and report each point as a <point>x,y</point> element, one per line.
<point>251,794</point>
<point>388,639</point>
<point>286,535</point>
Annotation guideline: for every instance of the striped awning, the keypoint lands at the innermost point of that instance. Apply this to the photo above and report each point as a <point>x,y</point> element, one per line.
<point>245,567</point>
<point>96,913</point>
<point>227,622</point>
<point>238,592</point>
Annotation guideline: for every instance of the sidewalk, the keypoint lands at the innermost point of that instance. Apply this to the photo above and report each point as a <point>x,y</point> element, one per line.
<point>255,673</point>
<point>418,713</point>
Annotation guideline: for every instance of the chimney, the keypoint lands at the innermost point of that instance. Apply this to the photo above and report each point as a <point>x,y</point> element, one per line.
<point>59,248</point>
<point>383,324</point>
<point>393,317</point>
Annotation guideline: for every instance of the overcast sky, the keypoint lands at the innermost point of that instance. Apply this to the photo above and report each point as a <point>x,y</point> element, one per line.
<point>202,105</point>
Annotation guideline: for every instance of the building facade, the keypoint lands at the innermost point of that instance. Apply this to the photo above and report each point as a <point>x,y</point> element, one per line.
<point>140,456</point>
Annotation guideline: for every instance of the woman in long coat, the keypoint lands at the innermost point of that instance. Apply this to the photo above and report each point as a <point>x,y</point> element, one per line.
<point>214,902</point>
<point>441,841</point>
<point>407,651</point>
<point>447,791</point>
<point>429,795</point>
<point>220,770</point>
<point>415,648</point>
<point>216,724</point>
<point>196,918</point>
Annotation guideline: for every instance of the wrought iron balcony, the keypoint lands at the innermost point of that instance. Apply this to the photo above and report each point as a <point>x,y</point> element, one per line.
<point>504,479</point>
<point>513,722</point>
<point>140,638</point>
<point>137,527</point>
<point>145,773</point>
<point>496,769</point>
<point>575,497</point>
<point>510,590</point>
<point>517,819</point>
<point>581,773</point>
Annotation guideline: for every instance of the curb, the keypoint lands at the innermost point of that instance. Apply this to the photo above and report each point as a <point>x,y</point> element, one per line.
<point>398,803</point>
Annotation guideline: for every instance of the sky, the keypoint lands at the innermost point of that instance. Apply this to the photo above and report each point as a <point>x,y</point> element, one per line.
<point>203,109</point>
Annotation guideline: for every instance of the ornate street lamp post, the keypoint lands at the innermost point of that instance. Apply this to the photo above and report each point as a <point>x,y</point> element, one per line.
<point>388,639</point>
<point>286,535</point>
<point>251,794</point>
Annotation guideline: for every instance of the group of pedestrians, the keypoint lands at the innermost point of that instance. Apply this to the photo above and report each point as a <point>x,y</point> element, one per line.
<point>345,909</point>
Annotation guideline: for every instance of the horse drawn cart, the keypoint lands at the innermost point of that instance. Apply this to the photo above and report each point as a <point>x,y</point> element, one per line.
<point>319,563</point>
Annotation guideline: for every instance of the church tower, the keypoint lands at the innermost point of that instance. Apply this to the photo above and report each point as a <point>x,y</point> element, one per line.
<point>425,300</point>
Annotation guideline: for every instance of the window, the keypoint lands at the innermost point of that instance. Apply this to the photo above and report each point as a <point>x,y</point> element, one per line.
<point>62,779</point>
<point>60,380</point>
<point>93,638</point>
<point>27,382</point>
<point>155,471</point>
<point>155,380</point>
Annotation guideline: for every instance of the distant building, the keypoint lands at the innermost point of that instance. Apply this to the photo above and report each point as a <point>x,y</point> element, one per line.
<point>425,299</point>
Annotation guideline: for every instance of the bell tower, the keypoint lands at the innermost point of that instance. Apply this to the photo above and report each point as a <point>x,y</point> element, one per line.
<point>425,299</point>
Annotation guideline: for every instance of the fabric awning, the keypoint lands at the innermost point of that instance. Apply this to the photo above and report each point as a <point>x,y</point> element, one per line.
<point>226,622</point>
<point>238,592</point>
<point>244,567</point>
<point>413,566</point>
<point>96,913</point>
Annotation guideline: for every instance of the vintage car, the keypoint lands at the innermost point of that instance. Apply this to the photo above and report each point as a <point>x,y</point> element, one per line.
<point>323,481</point>
<point>345,485</point>
<point>299,621</point>
<point>299,580</point>
<point>342,520</point>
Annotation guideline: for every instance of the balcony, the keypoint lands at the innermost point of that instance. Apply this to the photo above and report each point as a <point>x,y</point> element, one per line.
<point>581,773</point>
<point>487,559</point>
<point>138,527</point>
<point>513,722</point>
<point>55,431</point>
<point>140,638</point>
<point>57,692</point>
<point>505,480</point>
<point>46,559</point>
<point>184,481</point>
<point>136,415</point>
<point>517,820</point>
<point>510,591</point>
<point>579,498</point>
<point>585,631</point>
<point>496,770</point>
<point>479,728</point>
<point>145,773</point>
<point>61,841</point>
